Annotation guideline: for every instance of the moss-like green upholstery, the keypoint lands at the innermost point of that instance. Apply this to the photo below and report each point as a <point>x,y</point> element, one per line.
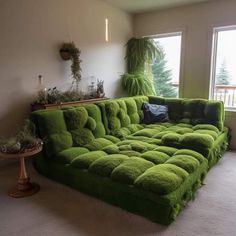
<point>105,150</point>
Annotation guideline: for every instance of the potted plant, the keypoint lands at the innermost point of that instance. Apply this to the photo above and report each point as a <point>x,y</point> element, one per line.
<point>24,141</point>
<point>69,51</point>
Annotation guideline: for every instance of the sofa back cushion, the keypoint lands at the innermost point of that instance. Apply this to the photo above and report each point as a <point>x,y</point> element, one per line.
<point>51,127</point>
<point>118,113</point>
<point>193,111</point>
<point>84,123</point>
<point>72,126</point>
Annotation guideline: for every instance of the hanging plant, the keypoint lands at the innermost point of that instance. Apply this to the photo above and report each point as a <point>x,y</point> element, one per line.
<point>140,53</point>
<point>137,84</point>
<point>69,51</point>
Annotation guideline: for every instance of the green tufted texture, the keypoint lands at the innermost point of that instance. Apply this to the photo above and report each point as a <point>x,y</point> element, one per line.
<point>162,179</point>
<point>54,143</point>
<point>155,156</point>
<point>81,125</point>
<point>186,162</point>
<point>103,149</point>
<point>188,152</point>
<point>68,155</point>
<point>106,164</point>
<point>98,144</point>
<point>76,118</point>
<point>85,160</point>
<point>52,129</point>
<point>50,122</point>
<point>193,111</point>
<point>111,149</point>
<point>129,170</point>
<point>95,113</point>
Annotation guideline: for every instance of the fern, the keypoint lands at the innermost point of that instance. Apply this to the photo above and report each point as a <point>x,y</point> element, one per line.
<point>137,84</point>
<point>140,53</point>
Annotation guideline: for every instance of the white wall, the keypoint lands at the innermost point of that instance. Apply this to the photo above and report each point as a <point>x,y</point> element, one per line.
<point>31,32</point>
<point>196,22</point>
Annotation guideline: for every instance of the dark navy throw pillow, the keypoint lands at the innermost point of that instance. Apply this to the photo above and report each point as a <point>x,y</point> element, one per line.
<point>154,113</point>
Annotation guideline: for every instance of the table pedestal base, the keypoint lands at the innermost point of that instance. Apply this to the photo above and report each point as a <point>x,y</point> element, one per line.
<point>30,190</point>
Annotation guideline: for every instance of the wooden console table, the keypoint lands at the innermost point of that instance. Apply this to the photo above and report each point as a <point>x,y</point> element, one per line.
<point>35,107</point>
<point>24,187</point>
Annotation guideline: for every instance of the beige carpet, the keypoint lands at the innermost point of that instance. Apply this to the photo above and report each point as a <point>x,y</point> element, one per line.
<point>59,210</point>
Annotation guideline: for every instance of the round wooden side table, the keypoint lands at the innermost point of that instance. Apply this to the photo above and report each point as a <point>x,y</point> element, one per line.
<point>24,187</point>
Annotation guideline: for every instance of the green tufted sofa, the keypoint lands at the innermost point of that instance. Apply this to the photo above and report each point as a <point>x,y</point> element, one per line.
<point>104,150</point>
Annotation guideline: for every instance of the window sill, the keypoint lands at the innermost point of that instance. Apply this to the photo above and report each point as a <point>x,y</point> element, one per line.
<point>230,112</point>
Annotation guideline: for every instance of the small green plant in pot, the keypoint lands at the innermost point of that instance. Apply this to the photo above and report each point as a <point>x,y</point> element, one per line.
<point>23,141</point>
<point>69,51</point>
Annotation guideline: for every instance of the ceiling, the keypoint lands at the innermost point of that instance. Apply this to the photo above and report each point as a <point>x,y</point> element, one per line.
<point>137,6</point>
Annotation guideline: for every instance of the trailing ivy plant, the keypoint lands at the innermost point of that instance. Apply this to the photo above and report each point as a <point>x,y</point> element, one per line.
<point>74,56</point>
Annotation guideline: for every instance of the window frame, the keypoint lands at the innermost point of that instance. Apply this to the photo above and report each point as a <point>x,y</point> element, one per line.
<point>216,30</point>
<point>181,63</point>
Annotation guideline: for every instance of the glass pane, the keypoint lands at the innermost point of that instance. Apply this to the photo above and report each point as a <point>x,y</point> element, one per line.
<point>166,70</point>
<point>225,70</point>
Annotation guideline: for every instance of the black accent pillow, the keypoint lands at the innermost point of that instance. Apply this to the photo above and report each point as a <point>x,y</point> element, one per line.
<point>154,113</point>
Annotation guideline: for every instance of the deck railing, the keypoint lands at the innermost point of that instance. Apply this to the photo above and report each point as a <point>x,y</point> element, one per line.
<point>225,93</point>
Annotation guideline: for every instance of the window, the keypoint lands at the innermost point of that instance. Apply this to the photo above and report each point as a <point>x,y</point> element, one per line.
<point>166,71</point>
<point>223,70</point>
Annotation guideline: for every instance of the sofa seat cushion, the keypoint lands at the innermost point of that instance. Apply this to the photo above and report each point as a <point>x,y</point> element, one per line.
<point>106,164</point>
<point>188,163</point>
<point>138,145</point>
<point>68,155</point>
<point>98,144</point>
<point>111,149</point>
<point>134,127</point>
<point>112,138</point>
<point>85,160</point>
<point>192,153</point>
<point>157,127</point>
<point>128,171</point>
<point>194,140</point>
<point>200,137</point>
<point>206,127</point>
<point>130,153</point>
<point>162,179</point>
<point>212,133</point>
<point>155,156</point>
<point>148,132</point>
<point>167,150</point>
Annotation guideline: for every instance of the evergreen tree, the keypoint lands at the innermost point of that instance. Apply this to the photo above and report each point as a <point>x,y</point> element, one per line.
<point>162,78</point>
<point>223,77</point>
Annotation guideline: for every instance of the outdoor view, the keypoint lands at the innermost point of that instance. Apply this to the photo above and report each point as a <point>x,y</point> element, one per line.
<point>166,70</point>
<point>225,68</point>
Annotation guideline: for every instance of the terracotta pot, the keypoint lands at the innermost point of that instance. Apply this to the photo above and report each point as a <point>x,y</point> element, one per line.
<point>65,55</point>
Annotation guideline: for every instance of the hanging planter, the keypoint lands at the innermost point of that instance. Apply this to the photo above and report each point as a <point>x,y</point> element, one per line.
<point>69,51</point>
<point>65,54</point>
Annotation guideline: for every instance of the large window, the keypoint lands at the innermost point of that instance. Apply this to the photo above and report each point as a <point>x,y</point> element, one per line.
<point>223,71</point>
<point>166,72</point>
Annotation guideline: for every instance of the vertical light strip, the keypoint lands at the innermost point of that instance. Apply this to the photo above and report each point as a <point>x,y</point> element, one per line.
<point>106,30</point>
